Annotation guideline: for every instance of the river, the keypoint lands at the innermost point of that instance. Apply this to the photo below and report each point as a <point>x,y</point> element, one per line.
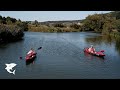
<point>62,56</point>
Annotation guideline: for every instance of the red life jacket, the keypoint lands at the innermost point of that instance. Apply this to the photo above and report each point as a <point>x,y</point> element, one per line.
<point>91,50</point>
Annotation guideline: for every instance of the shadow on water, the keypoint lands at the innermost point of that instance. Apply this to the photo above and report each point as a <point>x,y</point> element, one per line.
<point>5,44</point>
<point>91,57</point>
<point>32,61</point>
<point>106,39</point>
<point>100,39</point>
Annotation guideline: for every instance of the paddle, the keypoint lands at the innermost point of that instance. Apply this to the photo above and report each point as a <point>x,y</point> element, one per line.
<point>102,51</point>
<point>37,49</point>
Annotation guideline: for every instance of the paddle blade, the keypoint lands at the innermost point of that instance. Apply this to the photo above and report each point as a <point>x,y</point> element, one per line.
<point>102,51</point>
<point>39,48</point>
<point>20,57</point>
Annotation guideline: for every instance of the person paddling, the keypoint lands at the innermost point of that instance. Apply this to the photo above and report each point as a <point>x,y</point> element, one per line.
<point>92,49</point>
<point>31,52</point>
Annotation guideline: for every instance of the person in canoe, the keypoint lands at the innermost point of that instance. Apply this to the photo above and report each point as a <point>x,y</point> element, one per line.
<point>92,49</point>
<point>31,52</point>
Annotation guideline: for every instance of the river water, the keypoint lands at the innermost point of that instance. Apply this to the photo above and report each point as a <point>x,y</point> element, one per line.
<point>62,57</point>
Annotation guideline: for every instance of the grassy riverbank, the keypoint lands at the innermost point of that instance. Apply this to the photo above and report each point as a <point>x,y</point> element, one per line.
<point>106,24</point>
<point>45,28</point>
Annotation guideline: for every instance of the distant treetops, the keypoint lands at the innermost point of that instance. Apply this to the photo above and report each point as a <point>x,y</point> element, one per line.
<point>104,23</point>
<point>109,23</point>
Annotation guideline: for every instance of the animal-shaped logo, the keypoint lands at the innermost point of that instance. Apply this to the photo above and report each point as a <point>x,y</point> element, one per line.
<point>9,67</point>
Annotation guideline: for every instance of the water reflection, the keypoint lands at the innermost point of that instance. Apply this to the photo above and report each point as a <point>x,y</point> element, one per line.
<point>100,39</point>
<point>91,57</point>
<point>117,45</point>
<point>32,61</point>
<point>106,39</point>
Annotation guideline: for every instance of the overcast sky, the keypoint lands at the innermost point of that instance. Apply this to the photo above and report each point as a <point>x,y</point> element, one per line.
<point>49,15</point>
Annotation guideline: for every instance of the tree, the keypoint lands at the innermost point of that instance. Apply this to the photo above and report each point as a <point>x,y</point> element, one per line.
<point>94,22</point>
<point>118,25</point>
<point>103,23</point>
<point>36,22</point>
<point>22,25</point>
<point>0,17</point>
<point>4,20</point>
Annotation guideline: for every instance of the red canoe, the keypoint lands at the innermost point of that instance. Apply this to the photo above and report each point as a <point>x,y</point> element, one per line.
<point>99,53</point>
<point>30,56</point>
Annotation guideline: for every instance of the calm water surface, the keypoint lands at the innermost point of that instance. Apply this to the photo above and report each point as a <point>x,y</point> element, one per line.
<point>62,57</point>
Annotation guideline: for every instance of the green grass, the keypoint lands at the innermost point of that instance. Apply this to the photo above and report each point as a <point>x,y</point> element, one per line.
<point>44,28</point>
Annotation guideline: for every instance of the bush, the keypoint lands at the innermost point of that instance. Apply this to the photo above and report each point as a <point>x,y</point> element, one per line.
<point>10,33</point>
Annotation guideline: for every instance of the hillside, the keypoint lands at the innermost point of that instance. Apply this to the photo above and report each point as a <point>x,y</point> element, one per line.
<point>56,22</point>
<point>61,22</point>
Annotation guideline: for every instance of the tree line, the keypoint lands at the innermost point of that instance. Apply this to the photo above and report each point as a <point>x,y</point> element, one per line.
<point>108,23</point>
<point>11,29</point>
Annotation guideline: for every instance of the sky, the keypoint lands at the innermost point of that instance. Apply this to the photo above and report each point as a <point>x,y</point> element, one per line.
<point>42,16</point>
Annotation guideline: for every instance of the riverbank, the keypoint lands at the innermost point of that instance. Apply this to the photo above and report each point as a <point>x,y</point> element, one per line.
<point>10,33</point>
<point>53,28</point>
<point>116,35</point>
<point>11,29</point>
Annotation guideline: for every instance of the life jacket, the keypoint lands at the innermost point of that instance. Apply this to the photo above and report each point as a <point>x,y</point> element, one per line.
<point>91,50</point>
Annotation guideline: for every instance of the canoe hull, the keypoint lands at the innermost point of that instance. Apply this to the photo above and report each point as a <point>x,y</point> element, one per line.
<point>30,57</point>
<point>99,53</point>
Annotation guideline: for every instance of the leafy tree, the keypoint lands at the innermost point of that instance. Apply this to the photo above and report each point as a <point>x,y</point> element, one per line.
<point>118,25</point>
